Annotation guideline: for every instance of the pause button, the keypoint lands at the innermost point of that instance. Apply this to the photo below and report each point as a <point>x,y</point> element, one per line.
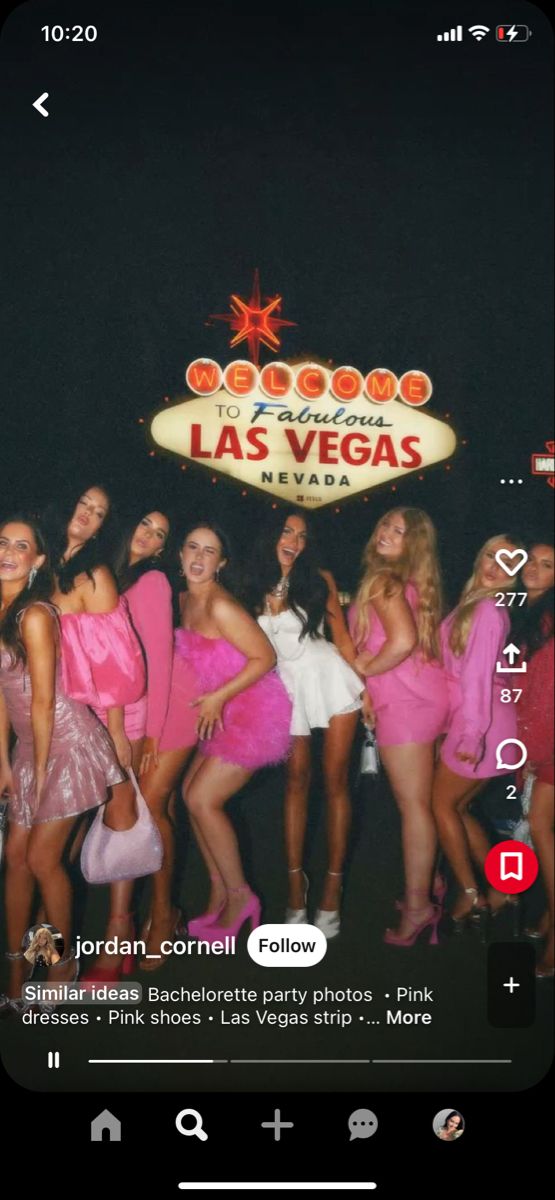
<point>53,1060</point>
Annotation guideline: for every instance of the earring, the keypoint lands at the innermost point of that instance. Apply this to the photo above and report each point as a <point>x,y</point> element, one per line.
<point>217,574</point>
<point>32,576</point>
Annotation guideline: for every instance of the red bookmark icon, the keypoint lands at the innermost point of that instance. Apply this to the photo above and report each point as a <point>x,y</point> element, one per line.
<point>511,867</point>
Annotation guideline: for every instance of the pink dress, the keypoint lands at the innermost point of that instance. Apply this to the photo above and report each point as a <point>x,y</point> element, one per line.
<point>82,763</point>
<point>410,700</point>
<point>164,712</point>
<point>102,659</point>
<point>478,719</point>
<point>256,721</point>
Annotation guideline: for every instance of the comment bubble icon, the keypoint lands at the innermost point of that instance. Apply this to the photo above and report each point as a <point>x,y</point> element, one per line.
<point>362,1124</point>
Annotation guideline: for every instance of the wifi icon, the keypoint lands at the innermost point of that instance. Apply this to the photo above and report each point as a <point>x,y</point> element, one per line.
<point>478,31</point>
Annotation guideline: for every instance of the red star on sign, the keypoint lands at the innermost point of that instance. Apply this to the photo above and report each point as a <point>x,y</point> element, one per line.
<point>253,322</point>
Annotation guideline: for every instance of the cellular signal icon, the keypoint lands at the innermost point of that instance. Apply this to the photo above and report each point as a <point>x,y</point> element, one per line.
<point>451,35</point>
<point>478,31</point>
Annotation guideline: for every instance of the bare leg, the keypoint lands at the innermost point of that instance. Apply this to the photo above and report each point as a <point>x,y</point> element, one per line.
<point>19,890</point>
<point>212,785</point>
<point>338,743</point>
<point>47,841</point>
<point>157,787</point>
<point>295,816</point>
<point>120,813</point>
<point>541,829</point>
<point>450,797</point>
<point>410,770</point>
<point>218,891</point>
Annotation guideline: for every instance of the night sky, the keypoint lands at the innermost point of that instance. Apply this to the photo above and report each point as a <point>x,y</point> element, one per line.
<point>396,192</point>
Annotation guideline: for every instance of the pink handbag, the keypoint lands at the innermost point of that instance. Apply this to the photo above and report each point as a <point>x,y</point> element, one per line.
<point>109,855</point>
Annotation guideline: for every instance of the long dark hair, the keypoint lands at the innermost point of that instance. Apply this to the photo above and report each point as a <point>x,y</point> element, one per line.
<point>126,575</point>
<point>40,589</point>
<point>96,552</point>
<point>533,625</point>
<point>308,591</point>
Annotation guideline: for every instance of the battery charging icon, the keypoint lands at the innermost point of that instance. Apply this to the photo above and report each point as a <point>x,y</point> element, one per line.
<point>512,33</point>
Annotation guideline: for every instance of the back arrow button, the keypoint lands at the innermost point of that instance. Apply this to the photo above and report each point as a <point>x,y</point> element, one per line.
<point>39,105</point>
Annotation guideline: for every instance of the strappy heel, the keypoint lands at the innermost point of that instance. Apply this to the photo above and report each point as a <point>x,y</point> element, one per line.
<point>476,916</point>
<point>196,925</point>
<point>432,919</point>
<point>298,916</point>
<point>113,974</point>
<point>329,921</point>
<point>250,912</point>
<point>154,962</point>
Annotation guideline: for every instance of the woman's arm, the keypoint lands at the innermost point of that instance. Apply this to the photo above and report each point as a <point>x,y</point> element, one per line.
<point>401,636</point>
<point>6,778</point>
<point>151,611</point>
<point>237,627</point>
<point>490,626</point>
<point>336,622</point>
<point>39,639</point>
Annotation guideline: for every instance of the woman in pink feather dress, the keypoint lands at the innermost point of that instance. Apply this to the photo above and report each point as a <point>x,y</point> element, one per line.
<point>244,715</point>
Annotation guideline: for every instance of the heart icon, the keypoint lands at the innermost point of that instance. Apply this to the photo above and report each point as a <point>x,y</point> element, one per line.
<point>505,557</point>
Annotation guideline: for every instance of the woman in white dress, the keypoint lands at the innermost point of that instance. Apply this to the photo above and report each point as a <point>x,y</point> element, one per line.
<point>294,598</point>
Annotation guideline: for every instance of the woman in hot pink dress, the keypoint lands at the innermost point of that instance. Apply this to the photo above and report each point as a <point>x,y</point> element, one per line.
<point>394,624</point>
<point>164,717</point>
<point>243,719</point>
<point>102,664</point>
<point>473,637</point>
<point>63,761</point>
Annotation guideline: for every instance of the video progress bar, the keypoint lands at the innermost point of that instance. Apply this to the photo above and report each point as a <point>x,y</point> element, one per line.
<point>230,1061</point>
<point>277,1187</point>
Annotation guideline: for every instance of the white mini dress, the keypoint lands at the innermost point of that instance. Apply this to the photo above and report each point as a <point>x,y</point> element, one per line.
<point>319,682</point>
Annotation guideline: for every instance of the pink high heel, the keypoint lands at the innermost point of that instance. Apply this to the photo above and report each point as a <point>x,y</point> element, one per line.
<point>197,924</point>
<point>391,938</point>
<point>250,911</point>
<point>113,974</point>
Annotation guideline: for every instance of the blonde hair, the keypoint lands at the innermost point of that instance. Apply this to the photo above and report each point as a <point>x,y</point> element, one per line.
<point>471,596</point>
<point>34,948</point>
<point>418,564</point>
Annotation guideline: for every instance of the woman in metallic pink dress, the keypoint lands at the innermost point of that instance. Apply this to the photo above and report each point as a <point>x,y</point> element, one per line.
<point>473,637</point>
<point>63,762</point>
<point>394,624</point>
<point>243,714</point>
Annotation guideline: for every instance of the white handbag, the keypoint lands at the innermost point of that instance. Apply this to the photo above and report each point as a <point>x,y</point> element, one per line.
<point>109,855</point>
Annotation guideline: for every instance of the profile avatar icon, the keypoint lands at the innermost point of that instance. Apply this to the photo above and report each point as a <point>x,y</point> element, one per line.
<point>448,1125</point>
<point>43,945</point>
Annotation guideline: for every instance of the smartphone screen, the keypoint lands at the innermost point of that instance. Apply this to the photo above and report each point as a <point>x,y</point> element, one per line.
<point>277,369</point>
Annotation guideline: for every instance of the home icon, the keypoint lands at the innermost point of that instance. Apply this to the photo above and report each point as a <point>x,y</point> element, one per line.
<point>106,1121</point>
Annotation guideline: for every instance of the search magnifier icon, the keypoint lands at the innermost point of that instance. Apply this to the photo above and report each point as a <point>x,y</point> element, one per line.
<point>194,1130</point>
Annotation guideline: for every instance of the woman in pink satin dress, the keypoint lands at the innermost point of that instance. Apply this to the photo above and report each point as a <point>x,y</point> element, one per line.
<point>102,666</point>
<point>473,637</point>
<point>394,624</point>
<point>63,762</point>
<point>164,717</point>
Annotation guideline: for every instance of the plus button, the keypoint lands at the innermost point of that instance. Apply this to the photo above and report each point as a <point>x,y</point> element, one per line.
<point>277,1125</point>
<point>511,985</point>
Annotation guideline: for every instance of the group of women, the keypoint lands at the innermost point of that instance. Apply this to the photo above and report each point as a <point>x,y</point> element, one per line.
<point>94,681</point>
